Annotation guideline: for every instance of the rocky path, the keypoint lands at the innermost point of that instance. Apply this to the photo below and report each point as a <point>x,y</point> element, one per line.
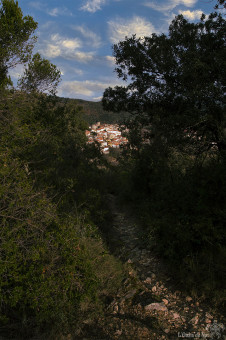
<point>147,306</point>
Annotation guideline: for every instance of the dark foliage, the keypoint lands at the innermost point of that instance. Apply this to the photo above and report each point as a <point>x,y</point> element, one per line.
<point>174,168</point>
<point>54,266</point>
<point>220,4</point>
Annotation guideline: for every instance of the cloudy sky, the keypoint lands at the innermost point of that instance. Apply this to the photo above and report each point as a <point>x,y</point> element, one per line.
<point>77,35</point>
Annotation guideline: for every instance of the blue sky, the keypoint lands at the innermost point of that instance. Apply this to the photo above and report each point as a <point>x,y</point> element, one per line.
<point>77,35</point>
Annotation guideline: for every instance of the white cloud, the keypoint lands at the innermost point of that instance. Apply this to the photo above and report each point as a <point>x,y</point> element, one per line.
<point>70,44</point>
<point>110,60</point>
<point>91,37</point>
<point>192,15</point>
<point>120,28</point>
<point>69,70</point>
<point>74,88</point>
<point>51,51</point>
<point>187,3</point>
<point>87,88</point>
<point>83,57</point>
<point>97,98</point>
<point>93,5</point>
<point>59,46</point>
<point>165,7</point>
<point>55,12</point>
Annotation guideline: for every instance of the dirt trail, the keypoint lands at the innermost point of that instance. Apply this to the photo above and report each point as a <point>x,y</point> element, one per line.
<point>147,305</point>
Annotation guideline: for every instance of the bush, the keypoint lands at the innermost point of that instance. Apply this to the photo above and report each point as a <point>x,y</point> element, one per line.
<point>181,202</point>
<point>54,266</point>
<point>49,266</point>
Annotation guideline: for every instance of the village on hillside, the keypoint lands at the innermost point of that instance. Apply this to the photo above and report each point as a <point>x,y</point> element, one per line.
<point>108,135</point>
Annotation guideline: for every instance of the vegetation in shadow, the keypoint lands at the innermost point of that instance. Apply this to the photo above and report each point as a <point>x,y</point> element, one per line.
<point>173,170</point>
<point>54,267</point>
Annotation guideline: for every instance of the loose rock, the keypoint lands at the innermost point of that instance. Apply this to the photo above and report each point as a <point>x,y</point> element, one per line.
<point>188,299</point>
<point>148,280</point>
<point>165,301</point>
<point>156,306</point>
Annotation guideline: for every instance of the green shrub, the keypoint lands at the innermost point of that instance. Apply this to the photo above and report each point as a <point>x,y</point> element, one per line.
<point>54,267</point>
<point>50,266</point>
<point>181,202</point>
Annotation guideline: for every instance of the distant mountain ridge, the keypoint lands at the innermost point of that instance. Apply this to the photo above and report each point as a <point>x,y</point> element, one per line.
<point>94,112</point>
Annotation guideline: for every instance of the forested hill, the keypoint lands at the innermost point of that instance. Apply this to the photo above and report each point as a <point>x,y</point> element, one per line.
<point>93,111</point>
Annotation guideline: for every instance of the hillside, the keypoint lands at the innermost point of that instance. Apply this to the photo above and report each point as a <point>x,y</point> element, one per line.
<point>93,112</point>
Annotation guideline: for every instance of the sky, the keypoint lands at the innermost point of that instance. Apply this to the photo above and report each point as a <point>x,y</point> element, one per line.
<point>77,36</point>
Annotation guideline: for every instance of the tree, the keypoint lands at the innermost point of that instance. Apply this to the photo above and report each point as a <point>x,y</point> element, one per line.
<point>40,76</point>
<point>16,45</point>
<point>176,82</point>
<point>16,37</point>
<point>220,3</point>
<point>51,253</point>
<point>175,171</point>
<point>52,261</point>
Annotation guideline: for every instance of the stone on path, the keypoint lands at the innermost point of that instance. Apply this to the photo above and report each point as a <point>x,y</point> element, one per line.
<point>165,301</point>
<point>156,306</point>
<point>154,289</point>
<point>188,299</point>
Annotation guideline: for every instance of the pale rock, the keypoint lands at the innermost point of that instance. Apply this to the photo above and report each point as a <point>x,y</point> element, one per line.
<point>166,331</point>
<point>87,321</point>
<point>195,320</point>
<point>156,306</point>
<point>165,301</point>
<point>118,332</point>
<point>176,315</point>
<point>129,261</point>
<point>209,316</point>
<point>208,321</point>
<point>130,294</point>
<point>188,299</point>
<point>154,289</point>
<point>115,308</point>
<point>148,280</point>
